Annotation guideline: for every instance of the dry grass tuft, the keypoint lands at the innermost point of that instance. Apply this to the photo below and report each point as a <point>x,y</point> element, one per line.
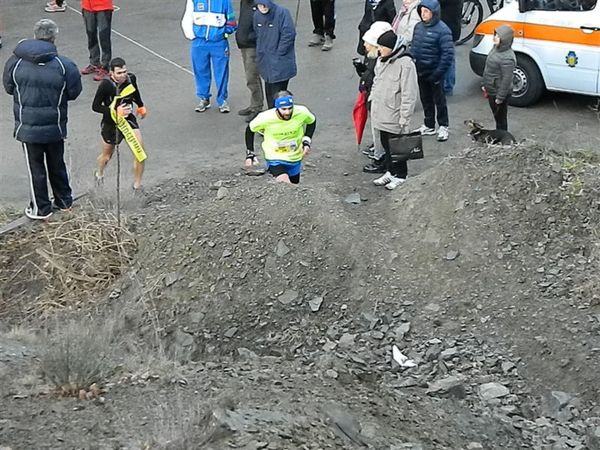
<point>78,356</point>
<point>180,426</point>
<point>62,263</point>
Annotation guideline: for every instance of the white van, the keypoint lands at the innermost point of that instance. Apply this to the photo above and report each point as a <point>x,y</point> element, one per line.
<point>557,43</point>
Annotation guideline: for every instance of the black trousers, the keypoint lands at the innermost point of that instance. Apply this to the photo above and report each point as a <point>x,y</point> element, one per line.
<point>323,17</point>
<point>500,112</point>
<point>433,100</point>
<point>51,156</point>
<point>398,169</point>
<point>98,29</point>
<point>271,89</point>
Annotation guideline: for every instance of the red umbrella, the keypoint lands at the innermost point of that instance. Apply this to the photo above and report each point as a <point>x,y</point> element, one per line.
<point>359,115</point>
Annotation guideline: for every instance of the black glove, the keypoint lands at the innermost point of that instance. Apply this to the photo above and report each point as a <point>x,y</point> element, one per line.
<point>359,66</point>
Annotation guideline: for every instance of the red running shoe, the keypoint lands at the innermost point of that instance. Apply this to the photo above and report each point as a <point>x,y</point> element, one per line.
<point>89,69</point>
<point>101,74</point>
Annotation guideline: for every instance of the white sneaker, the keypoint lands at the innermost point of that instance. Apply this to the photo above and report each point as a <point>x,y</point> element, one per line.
<point>383,179</point>
<point>29,213</point>
<point>328,44</point>
<point>316,40</point>
<point>202,106</point>
<point>442,134</point>
<point>99,179</point>
<point>224,108</point>
<point>425,130</point>
<point>395,183</point>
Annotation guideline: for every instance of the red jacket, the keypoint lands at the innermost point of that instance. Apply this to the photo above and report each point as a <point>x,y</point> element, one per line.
<point>97,5</point>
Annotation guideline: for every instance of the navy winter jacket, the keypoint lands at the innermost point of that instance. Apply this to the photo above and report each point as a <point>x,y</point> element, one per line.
<point>275,40</point>
<point>41,83</point>
<point>432,45</point>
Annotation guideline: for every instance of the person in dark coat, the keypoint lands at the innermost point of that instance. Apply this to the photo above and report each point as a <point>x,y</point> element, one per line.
<point>452,16</point>
<point>41,83</point>
<point>245,38</point>
<point>433,50</point>
<point>275,47</point>
<point>375,11</point>
<point>498,75</point>
<point>323,18</point>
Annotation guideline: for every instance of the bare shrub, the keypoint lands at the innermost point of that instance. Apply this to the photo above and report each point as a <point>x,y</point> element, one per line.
<point>78,355</point>
<point>62,263</point>
<point>183,427</point>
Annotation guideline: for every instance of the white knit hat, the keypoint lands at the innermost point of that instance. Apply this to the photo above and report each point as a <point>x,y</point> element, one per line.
<point>376,30</point>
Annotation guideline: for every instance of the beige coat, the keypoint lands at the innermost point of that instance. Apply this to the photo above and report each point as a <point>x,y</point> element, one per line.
<point>404,24</point>
<point>394,94</point>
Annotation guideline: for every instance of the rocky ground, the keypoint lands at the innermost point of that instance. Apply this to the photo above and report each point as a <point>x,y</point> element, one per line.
<point>255,315</point>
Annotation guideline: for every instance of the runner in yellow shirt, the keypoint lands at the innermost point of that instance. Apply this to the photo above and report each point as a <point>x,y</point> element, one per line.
<point>287,130</point>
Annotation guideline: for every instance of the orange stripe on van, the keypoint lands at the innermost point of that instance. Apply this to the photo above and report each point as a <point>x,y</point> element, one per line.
<point>542,32</point>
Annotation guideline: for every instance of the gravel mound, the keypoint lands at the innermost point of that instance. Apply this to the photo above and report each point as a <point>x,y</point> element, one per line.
<point>294,310</point>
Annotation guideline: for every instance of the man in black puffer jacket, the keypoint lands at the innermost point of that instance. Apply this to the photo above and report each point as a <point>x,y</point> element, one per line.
<point>246,42</point>
<point>433,50</point>
<point>41,83</point>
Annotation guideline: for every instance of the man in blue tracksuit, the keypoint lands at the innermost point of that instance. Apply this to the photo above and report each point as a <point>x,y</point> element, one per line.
<point>208,24</point>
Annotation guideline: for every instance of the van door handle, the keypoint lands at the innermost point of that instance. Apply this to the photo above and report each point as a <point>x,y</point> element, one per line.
<point>588,29</point>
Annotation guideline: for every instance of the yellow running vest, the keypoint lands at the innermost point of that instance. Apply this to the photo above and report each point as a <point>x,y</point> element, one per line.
<point>282,138</point>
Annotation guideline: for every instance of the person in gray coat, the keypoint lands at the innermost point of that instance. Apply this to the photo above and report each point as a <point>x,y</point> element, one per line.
<point>393,98</point>
<point>498,75</point>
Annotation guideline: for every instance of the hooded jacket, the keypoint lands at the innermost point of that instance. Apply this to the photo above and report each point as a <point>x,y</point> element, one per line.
<point>380,11</point>
<point>405,22</point>
<point>97,5</point>
<point>499,65</point>
<point>432,45</point>
<point>245,35</point>
<point>210,20</point>
<point>41,83</point>
<point>275,41</point>
<point>395,92</point>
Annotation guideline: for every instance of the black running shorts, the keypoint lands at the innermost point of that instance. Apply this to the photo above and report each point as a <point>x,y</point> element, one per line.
<point>111,135</point>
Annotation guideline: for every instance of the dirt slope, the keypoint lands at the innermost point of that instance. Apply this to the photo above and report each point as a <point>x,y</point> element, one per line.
<point>283,303</point>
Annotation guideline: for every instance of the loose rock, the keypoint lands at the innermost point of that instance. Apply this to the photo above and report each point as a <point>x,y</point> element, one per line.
<point>489,391</point>
<point>287,297</point>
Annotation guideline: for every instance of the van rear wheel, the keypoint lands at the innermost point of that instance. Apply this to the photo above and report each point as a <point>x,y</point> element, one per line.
<point>528,84</point>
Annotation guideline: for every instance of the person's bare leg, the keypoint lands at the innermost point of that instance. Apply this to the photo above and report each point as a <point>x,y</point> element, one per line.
<point>138,167</point>
<point>104,158</point>
<point>283,178</point>
<point>251,162</point>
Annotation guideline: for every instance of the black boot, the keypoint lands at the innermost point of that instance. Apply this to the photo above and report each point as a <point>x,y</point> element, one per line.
<point>377,166</point>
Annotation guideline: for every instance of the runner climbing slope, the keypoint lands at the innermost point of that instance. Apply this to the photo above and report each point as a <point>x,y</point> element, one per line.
<point>286,141</point>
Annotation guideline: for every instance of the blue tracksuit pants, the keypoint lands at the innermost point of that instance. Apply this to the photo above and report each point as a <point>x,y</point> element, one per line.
<point>207,54</point>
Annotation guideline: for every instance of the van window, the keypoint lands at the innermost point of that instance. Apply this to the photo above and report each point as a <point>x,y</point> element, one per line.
<point>562,5</point>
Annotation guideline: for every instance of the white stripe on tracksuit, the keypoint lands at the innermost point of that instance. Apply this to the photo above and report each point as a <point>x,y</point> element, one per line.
<point>34,209</point>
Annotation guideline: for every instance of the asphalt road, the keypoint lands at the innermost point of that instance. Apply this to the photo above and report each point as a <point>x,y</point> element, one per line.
<point>181,142</point>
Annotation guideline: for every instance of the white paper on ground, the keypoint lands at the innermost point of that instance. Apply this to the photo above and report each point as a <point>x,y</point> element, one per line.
<point>401,359</point>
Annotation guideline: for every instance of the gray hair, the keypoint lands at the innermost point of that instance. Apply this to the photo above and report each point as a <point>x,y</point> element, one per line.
<point>45,30</point>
